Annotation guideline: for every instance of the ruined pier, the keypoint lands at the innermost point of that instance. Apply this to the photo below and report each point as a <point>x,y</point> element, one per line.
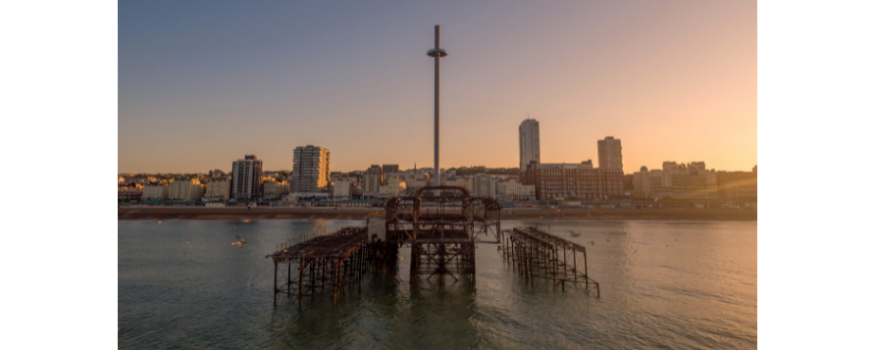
<point>535,253</point>
<point>442,232</point>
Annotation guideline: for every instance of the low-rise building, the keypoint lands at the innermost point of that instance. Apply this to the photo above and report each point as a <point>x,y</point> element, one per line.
<point>130,192</point>
<point>342,189</point>
<point>514,190</point>
<point>737,185</point>
<point>274,189</point>
<point>372,181</point>
<point>394,187</point>
<point>458,181</point>
<point>155,192</point>
<point>560,181</point>
<point>684,181</point>
<point>218,190</point>
<point>186,190</point>
<point>483,186</point>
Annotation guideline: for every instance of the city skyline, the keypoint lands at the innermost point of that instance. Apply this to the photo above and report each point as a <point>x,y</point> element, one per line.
<point>674,81</point>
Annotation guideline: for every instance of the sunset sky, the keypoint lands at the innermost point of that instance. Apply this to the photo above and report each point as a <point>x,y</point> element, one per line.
<point>202,83</point>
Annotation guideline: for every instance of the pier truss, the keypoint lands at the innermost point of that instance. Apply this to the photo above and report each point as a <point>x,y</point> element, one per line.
<point>320,264</point>
<point>442,231</point>
<point>535,253</point>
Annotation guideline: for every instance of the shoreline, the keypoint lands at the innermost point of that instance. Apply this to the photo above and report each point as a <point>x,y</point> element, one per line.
<point>274,213</point>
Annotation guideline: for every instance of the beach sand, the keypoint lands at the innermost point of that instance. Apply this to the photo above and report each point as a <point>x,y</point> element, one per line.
<point>232,213</point>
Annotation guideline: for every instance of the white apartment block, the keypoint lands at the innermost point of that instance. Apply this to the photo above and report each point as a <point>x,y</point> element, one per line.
<point>155,192</point>
<point>372,180</point>
<point>484,186</point>
<point>342,189</point>
<point>466,183</point>
<point>218,189</point>
<point>186,190</point>
<point>394,187</point>
<point>514,190</point>
<point>274,189</point>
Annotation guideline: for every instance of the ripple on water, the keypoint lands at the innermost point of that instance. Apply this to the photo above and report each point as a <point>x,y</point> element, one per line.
<point>701,293</point>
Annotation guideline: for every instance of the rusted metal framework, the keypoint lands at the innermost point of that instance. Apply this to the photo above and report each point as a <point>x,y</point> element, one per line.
<point>535,253</point>
<point>324,263</point>
<point>442,231</point>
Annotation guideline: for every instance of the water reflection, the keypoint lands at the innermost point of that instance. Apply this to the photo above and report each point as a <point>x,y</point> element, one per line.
<point>699,292</point>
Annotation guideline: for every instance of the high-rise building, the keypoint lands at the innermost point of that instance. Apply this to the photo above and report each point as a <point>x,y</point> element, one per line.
<point>390,168</point>
<point>530,143</point>
<point>312,169</point>
<point>246,178</point>
<point>610,154</point>
<point>372,180</point>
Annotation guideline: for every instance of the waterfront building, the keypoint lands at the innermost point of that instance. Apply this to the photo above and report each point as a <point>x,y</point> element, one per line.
<point>530,143</point>
<point>737,185</point>
<point>342,189</point>
<point>483,186</point>
<point>156,191</point>
<point>514,190</point>
<point>186,190</point>
<point>464,182</point>
<point>312,169</point>
<point>373,178</point>
<point>573,181</point>
<point>414,183</point>
<point>274,189</point>
<point>218,190</point>
<point>246,176</point>
<point>610,154</point>
<point>393,187</point>
<point>130,192</point>
<point>684,181</point>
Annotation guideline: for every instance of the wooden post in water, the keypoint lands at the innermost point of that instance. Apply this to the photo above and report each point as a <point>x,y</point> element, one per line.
<point>274,282</point>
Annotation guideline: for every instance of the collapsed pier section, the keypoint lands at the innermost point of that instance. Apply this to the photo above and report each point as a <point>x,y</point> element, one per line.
<point>442,230</point>
<point>308,266</point>
<point>535,253</point>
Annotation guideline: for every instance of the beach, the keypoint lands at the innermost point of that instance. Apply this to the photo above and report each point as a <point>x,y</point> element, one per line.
<point>232,213</point>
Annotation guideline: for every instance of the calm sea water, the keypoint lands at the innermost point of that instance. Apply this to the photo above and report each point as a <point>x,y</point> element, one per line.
<point>670,285</point>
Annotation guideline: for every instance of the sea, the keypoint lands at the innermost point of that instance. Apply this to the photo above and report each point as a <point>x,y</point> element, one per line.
<point>663,285</point>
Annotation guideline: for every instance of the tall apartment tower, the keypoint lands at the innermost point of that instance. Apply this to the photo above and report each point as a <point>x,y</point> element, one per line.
<point>610,154</point>
<point>530,143</point>
<point>312,169</point>
<point>246,178</point>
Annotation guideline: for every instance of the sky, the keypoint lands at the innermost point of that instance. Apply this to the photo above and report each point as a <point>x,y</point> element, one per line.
<point>203,83</point>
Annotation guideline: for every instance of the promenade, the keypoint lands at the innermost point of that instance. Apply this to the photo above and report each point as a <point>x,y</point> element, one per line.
<point>264,213</point>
